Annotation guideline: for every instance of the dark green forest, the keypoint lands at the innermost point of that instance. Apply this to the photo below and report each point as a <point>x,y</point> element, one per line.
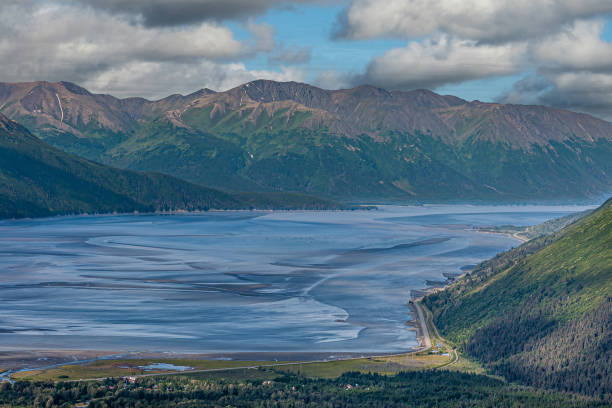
<point>410,389</point>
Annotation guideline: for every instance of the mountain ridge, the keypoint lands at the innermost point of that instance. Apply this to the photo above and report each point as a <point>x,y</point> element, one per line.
<point>334,102</point>
<point>362,144</point>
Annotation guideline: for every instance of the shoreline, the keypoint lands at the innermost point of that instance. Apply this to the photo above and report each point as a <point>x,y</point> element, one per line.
<point>419,323</point>
<point>514,235</point>
<point>13,360</point>
<point>193,212</point>
<point>41,360</point>
<point>349,208</point>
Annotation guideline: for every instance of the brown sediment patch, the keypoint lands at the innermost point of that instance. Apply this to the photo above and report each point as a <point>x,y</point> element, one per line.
<point>15,359</point>
<point>43,359</point>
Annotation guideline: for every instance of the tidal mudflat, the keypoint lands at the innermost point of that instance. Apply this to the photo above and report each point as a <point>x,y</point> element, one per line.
<point>224,282</point>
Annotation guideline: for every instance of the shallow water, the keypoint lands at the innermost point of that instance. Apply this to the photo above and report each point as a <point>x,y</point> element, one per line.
<point>236,281</point>
<point>165,367</point>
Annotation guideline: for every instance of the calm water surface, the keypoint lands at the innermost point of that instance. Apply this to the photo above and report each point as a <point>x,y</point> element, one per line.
<point>236,281</point>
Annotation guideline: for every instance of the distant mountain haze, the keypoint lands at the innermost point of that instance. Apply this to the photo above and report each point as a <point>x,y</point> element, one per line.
<point>364,143</point>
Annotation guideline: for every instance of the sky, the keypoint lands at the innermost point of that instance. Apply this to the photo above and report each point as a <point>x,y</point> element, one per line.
<point>551,52</point>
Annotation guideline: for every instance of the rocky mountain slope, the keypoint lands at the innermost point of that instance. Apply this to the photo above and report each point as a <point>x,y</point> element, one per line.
<point>363,143</point>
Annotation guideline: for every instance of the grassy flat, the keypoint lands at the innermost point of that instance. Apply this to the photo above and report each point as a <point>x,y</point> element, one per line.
<point>127,367</point>
<point>380,365</point>
<point>329,369</point>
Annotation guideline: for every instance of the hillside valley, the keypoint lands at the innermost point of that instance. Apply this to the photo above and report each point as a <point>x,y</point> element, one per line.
<point>37,180</point>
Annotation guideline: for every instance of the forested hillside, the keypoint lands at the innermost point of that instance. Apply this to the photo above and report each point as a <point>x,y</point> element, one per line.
<point>540,314</point>
<point>412,389</point>
<point>37,180</point>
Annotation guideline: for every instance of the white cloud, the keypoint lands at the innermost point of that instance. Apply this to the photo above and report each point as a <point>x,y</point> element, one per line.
<point>578,91</point>
<point>574,71</point>
<point>291,55</point>
<point>82,35</point>
<point>332,79</point>
<point>579,47</point>
<point>112,54</point>
<point>157,80</point>
<point>456,41</point>
<point>480,20</point>
<point>432,63</point>
<point>263,36</point>
<point>163,13</point>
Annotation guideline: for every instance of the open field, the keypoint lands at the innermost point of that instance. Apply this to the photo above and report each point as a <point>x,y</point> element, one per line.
<point>320,369</point>
<point>380,365</point>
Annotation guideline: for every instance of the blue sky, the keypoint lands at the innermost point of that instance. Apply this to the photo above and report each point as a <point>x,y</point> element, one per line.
<point>607,34</point>
<point>312,26</point>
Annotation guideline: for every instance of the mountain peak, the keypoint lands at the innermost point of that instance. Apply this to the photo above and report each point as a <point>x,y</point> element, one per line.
<point>369,90</point>
<point>266,91</point>
<point>201,92</point>
<point>362,110</point>
<point>74,88</point>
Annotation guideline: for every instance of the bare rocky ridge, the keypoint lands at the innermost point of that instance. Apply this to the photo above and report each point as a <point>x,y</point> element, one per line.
<point>348,112</point>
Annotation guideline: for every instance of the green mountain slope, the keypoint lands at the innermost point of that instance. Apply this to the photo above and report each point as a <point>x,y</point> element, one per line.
<point>299,160</point>
<point>540,313</point>
<point>364,143</point>
<point>39,180</point>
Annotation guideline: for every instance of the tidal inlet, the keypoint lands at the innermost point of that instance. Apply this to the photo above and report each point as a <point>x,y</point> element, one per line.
<point>227,282</point>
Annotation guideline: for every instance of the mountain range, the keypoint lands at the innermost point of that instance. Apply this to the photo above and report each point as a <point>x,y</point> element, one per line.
<point>362,144</point>
<point>37,180</point>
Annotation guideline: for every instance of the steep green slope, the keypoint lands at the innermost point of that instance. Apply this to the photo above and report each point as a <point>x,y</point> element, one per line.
<point>199,158</point>
<point>38,180</point>
<point>541,313</point>
<point>315,162</point>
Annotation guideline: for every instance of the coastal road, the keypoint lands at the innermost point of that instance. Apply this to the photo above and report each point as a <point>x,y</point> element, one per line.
<point>424,330</point>
<point>434,329</point>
